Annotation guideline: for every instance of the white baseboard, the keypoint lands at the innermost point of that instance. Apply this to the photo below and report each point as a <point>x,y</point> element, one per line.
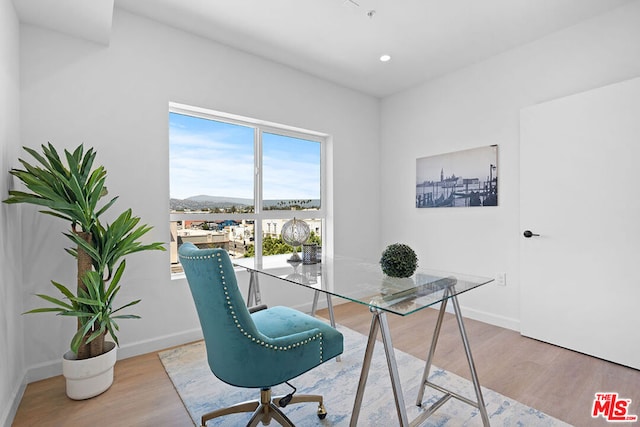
<point>481,316</point>
<point>490,318</point>
<point>159,343</point>
<point>44,370</point>
<point>322,303</point>
<point>9,413</point>
<point>54,368</point>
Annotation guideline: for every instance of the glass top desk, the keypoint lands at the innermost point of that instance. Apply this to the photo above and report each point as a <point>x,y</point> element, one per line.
<point>363,282</point>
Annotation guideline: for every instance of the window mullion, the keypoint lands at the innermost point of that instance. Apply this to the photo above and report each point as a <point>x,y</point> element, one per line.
<point>257,197</point>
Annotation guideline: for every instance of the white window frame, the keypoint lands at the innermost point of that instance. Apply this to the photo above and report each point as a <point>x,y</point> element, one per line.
<point>259,215</point>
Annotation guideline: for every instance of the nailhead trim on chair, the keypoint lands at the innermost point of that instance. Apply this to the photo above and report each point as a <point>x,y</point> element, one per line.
<point>245,333</point>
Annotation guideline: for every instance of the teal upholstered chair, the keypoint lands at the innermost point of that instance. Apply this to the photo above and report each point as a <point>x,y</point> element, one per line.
<point>253,350</point>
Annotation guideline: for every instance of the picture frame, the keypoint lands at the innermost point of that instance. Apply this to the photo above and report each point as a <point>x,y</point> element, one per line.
<point>467,178</point>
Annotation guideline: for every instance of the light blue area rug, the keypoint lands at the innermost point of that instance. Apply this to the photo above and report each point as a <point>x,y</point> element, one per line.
<point>202,392</point>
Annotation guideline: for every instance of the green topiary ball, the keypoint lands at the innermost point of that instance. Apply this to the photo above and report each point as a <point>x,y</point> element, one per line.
<point>398,260</point>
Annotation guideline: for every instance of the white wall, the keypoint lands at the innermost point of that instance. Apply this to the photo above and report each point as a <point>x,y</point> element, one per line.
<point>11,343</point>
<point>115,98</point>
<point>479,106</point>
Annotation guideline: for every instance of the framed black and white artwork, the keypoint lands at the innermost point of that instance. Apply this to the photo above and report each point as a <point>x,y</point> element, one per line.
<point>465,178</point>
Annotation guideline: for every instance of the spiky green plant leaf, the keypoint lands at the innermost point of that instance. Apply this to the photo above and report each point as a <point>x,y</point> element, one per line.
<point>72,189</point>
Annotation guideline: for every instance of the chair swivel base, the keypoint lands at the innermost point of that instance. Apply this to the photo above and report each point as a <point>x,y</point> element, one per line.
<point>264,410</point>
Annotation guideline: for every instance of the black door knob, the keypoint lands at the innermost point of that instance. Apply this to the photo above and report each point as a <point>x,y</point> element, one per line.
<point>528,234</point>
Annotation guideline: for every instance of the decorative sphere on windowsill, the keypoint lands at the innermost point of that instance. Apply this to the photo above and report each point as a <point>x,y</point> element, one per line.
<point>294,233</point>
<point>398,260</point>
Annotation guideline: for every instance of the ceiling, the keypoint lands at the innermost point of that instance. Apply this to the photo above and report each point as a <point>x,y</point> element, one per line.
<point>89,20</point>
<point>341,40</point>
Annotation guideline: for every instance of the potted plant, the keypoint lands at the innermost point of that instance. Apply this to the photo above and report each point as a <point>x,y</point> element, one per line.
<point>398,260</point>
<point>72,192</point>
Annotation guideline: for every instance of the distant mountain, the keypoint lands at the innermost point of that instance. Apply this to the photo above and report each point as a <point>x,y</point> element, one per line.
<point>198,203</point>
<point>221,199</point>
<point>203,202</point>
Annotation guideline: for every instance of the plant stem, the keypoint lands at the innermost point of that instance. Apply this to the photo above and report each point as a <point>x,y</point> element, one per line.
<point>85,264</point>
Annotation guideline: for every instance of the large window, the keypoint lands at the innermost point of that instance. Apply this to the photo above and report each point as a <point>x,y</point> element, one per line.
<point>234,182</point>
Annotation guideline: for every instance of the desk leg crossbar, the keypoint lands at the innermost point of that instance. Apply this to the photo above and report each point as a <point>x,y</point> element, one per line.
<point>379,322</point>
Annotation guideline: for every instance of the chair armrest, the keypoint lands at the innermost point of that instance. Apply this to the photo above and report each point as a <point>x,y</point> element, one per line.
<point>296,340</point>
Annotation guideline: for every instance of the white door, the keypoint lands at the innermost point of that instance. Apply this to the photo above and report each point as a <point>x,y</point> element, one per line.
<point>580,191</point>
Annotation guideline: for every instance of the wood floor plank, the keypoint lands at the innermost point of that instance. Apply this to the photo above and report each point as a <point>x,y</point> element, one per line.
<point>554,380</point>
<point>141,395</point>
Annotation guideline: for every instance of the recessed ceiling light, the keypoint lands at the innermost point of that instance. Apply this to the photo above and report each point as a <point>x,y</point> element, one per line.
<point>385,58</point>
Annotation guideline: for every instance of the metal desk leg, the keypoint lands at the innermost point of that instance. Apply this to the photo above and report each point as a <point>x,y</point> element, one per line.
<point>253,295</point>
<point>332,318</point>
<point>447,393</point>
<point>432,349</point>
<point>314,306</point>
<point>472,366</point>
<point>379,320</point>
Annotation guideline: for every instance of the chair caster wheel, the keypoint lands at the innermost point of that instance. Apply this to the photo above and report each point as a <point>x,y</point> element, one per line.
<point>322,412</point>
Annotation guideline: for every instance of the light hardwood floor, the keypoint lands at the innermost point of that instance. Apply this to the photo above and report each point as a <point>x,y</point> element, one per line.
<point>557,381</point>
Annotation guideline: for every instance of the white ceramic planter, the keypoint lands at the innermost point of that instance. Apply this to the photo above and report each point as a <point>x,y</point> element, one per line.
<point>87,378</point>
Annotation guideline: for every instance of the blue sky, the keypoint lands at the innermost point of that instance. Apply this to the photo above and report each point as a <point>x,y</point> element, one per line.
<point>216,159</point>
